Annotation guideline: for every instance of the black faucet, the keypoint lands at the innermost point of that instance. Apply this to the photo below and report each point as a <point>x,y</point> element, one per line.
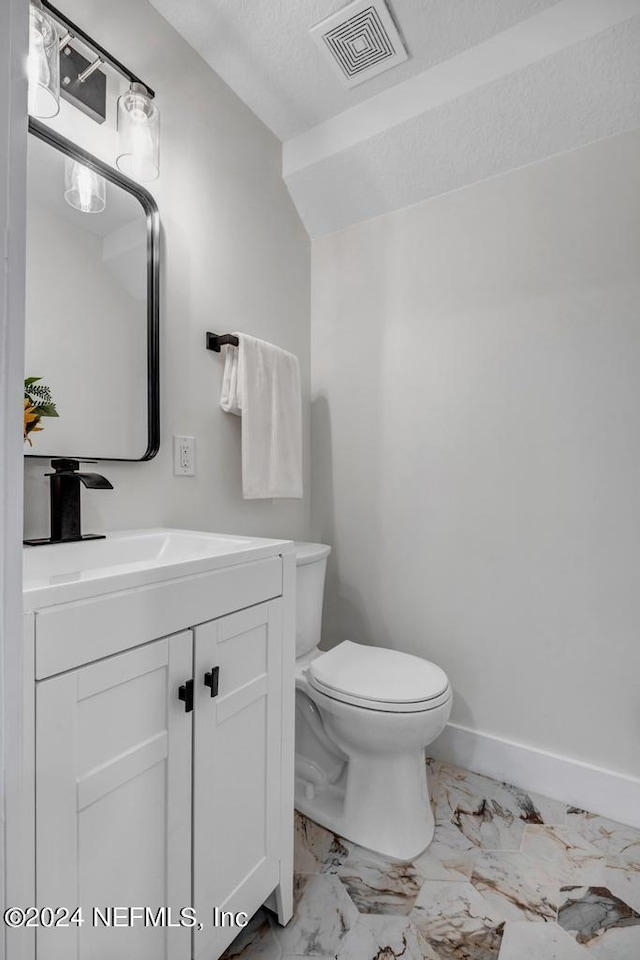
<point>65,502</point>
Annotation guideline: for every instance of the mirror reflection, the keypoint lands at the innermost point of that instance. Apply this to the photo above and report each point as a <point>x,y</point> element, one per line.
<point>87,311</point>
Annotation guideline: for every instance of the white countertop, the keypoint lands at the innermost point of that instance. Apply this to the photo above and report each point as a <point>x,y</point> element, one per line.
<point>64,572</point>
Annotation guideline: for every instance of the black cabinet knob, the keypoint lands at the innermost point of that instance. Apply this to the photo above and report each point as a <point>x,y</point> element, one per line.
<point>211,679</point>
<point>185,693</point>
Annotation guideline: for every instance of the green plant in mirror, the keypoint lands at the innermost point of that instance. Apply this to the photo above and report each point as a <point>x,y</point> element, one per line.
<point>38,403</point>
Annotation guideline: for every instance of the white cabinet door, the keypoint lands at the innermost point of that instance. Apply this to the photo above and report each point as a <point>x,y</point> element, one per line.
<point>237,763</point>
<point>113,800</point>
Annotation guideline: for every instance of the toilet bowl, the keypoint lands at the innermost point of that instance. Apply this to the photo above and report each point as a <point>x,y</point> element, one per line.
<point>364,716</point>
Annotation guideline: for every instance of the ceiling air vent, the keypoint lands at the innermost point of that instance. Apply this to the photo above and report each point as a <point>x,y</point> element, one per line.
<point>360,41</point>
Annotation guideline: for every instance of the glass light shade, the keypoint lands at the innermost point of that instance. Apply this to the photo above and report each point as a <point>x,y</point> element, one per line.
<point>44,64</point>
<point>84,189</point>
<point>138,135</point>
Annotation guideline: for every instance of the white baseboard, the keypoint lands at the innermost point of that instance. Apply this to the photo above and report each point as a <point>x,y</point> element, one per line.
<point>578,784</point>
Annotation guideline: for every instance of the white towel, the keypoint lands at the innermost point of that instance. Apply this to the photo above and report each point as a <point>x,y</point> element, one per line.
<point>261,384</point>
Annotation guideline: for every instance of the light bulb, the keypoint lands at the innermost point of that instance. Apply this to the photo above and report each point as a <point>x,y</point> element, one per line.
<point>84,188</point>
<point>44,64</point>
<point>138,134</point>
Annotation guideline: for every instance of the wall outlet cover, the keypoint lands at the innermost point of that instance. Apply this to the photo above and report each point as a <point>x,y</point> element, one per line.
<point>184,456</point>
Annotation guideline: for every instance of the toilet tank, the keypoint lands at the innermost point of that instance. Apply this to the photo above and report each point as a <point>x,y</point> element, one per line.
<point>311,565</point>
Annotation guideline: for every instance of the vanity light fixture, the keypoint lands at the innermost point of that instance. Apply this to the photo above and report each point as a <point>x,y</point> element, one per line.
<point>44,64</point>
<point>138,134</point>
<point>83,84</point>
<point>84,189</point>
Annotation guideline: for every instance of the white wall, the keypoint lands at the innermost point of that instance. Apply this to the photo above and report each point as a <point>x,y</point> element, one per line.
<point>13,97</point>
<point>476,445</point>
<point>235,257</point>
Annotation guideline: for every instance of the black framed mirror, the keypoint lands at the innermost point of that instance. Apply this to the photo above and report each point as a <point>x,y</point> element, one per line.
<point>92,307</point>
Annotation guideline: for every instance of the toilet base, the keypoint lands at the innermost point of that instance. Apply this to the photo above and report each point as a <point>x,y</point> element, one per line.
<point>383,806</point>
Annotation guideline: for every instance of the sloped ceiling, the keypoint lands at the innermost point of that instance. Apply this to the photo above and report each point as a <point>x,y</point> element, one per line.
<point>489,85</point>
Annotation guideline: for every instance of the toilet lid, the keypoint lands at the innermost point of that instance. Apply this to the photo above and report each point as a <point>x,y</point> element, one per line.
<point>375,674</point>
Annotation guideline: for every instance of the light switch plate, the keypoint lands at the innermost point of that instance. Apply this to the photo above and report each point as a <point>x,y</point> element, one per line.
<point>184,456</point>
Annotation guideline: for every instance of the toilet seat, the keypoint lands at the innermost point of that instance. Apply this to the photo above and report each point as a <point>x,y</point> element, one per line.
<point>376,678</point>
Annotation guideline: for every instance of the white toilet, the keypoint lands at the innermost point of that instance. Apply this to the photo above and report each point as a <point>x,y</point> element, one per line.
<point>364,716</point>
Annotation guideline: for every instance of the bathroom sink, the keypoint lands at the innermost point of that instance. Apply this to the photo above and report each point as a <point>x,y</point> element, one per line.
<point>69,571</point>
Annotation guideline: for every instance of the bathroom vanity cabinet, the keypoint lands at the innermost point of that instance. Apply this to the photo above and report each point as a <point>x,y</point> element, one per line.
<point>161,731</point>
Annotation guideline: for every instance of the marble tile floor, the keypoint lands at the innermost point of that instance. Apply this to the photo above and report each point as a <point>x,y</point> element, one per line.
<point>510,875</point>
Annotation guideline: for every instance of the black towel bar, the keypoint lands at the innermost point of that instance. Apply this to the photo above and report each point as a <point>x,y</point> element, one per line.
<point>215,341</point>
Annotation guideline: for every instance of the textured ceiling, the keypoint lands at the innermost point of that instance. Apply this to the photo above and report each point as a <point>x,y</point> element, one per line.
<point>263,51</point>
<point>489,85</point>
<point>557,104</point>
